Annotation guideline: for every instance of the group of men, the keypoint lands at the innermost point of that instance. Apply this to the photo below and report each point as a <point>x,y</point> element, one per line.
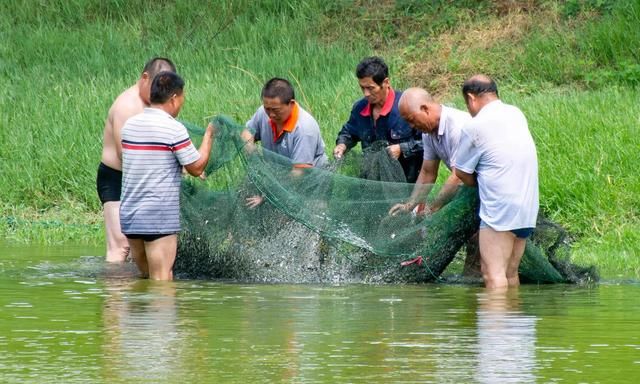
<point>490,146</point>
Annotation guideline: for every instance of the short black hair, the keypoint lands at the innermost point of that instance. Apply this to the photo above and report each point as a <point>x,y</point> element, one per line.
<point>164,85</point>
<point>158,64</point>
<point>373,67</point>
<point>478,85</point>
<point>280,88</point>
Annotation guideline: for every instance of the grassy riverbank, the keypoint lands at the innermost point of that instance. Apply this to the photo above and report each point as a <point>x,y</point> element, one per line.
<point>572,66</point>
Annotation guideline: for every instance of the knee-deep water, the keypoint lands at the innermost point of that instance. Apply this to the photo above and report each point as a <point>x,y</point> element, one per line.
<point>67,317</point>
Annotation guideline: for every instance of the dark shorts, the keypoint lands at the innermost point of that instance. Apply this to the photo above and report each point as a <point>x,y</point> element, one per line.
<point>522,233</point>
<point>147,237</point>
<point>108,183</point>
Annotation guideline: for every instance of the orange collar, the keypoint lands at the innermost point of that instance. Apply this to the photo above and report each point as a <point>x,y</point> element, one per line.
<point>288,126</point>
<point>386,107</point>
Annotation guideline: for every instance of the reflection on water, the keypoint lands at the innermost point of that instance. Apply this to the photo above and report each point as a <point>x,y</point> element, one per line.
<point>506,339</point>
<point>67,318</point>
<point>142,339</point>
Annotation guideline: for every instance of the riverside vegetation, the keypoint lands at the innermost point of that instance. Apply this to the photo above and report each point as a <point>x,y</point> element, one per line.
<point>572,66</point>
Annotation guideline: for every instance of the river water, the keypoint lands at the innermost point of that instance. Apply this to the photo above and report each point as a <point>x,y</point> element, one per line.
<point>65,318</point>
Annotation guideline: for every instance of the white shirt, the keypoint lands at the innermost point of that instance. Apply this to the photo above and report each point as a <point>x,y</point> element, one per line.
<point>497,145</point>
<point>444,144</point>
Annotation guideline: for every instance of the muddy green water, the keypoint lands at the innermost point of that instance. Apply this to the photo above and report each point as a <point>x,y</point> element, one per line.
<point>64,318</point>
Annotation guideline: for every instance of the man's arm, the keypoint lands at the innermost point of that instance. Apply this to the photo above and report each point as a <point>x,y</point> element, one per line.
<point>447,192</point>
<point>424,184</point>
<point>251,132</point>
<point>467,178</point>
<point>249,140</point>
<point>247,136</point>
<point>347,138</point>
<point>197,167</point>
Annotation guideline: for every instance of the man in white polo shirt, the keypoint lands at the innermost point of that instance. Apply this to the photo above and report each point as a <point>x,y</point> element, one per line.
<point>283,127</point>
<point>497,153</point>
<point>155,148</point>
<point>440,126</point>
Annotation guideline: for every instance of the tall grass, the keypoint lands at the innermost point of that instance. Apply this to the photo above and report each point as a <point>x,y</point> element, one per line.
<point>62,63</point>
<point>595,53</point>
<point>588,145</point>
<point>67,61</point>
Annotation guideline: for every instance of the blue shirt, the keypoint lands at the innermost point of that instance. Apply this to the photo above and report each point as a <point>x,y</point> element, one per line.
<point>390,127</point>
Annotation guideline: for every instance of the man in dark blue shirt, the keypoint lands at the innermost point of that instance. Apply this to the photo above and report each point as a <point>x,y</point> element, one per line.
<point>376,118</point>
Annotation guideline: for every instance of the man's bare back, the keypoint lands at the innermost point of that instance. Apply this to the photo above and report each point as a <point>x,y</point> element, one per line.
<point>126,105</point>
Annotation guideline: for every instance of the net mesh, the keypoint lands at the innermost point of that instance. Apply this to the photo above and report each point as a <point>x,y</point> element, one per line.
<point>324,225</point>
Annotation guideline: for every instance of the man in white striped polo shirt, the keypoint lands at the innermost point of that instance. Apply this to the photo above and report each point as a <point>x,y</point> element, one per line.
<point>155,147</point>
<point>440,126</point>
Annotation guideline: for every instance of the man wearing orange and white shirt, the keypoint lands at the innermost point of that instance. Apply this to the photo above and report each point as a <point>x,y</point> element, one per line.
<point>284,127</point>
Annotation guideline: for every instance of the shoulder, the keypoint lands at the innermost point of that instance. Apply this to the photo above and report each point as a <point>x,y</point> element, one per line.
<point>513,109</point>
<point>454,117</point>
<point>499,111</point>
<point>260,111</point>
<point>307,121</point>
<point>395,108</point>
<point>260,114</point>
<point>258,119</point>
<point>359,105</point>
<point>456,113</point>
<point>471,125</point>
<point>126,105</point>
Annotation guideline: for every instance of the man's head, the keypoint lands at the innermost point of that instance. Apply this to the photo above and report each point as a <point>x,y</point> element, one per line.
<point>420,110</point>
<point>278,99</point>
<point>167,91</point>
<point>478,91</point>
<point>149,72</point>
<point>373,77</point>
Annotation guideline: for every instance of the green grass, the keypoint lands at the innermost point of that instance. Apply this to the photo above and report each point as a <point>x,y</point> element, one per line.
<point>70,224</point>
<point>587,145</point>
<point>573,67</point>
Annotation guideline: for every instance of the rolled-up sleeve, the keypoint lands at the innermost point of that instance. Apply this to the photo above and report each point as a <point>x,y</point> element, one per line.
<point>183,148</point>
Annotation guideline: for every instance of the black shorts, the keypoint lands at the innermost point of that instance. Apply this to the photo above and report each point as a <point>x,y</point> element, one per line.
<point>147,237</point>
<point>108,183</point>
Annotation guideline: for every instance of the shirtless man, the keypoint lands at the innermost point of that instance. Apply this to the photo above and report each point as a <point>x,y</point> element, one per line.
<point>109,181</point>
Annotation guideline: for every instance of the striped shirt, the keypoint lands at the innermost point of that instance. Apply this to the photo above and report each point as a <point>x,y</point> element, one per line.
<point>154,148</point>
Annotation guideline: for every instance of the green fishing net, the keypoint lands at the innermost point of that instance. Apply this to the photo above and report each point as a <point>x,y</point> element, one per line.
<point>330,225</point>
